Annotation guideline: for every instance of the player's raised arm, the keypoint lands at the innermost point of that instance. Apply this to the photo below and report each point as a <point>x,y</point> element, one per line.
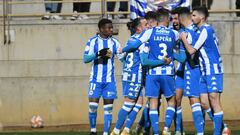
<point>134,43</point>
<point>202,38</point>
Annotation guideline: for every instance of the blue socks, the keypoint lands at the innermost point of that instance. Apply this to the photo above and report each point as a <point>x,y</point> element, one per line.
<point>218,120</point>
<point>132,115</point>
<point>198,118</point>
<point>147,123</point>
<point>153,113</point>
<point>169,116</point>
<point>107,118</point>
<point>92,115</point>
<point>122,115</point>
<point>179,123</point>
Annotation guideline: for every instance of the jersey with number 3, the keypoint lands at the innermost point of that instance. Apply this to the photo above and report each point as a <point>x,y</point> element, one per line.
<point>132,70</point>
<point>161,41</point>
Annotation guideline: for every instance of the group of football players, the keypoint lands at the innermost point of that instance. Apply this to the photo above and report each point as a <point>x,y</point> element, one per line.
<point>148,61</point>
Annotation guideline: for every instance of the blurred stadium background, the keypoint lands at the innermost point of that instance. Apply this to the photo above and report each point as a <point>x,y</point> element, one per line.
<point>42,71</point>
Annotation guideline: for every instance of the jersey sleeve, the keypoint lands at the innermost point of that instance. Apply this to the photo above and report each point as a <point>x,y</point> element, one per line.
<point>202,38</point>
<point>89,54</point>
<point>176,34</point>
<point>144,48</point>
<point>119,55</point>
<point>89,48</point>
<point>145,35</point>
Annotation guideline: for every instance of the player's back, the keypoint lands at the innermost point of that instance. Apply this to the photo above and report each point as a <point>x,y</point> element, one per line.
<point>161,44</point>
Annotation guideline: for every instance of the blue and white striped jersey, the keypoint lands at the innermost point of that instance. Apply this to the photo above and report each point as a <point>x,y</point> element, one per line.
<point>161,41</point>
<point>210,59</point>
<point>192,37</point>
<point>132,70</point>
<point>102,70</point>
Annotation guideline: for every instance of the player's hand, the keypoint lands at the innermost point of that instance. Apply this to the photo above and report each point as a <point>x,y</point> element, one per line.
<point>167,60</point>
<point>103,52</point>
<point>108,54</point>
<point>119,50</point>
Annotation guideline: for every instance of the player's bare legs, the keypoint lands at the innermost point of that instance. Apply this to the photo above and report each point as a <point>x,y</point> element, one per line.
<point>179,95</point>
<point>205,103</point>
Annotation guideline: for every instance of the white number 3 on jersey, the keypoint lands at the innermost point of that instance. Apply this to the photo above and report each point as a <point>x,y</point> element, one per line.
<point>163,50</point>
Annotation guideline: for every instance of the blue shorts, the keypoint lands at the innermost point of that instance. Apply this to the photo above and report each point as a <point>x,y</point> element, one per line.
<point>179,82</point>
<point>132,90</point>
<point>156,84</point>
<point>192,81</point>
<point>211,83</point>
<point>106,90</point>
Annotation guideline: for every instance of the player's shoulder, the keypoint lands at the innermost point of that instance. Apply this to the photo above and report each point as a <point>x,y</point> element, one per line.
<point>93,38</point>
<point>114,39</point>
<point>208,27</point>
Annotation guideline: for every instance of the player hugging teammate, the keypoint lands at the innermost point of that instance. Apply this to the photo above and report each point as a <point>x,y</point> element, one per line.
<point>155,47</point>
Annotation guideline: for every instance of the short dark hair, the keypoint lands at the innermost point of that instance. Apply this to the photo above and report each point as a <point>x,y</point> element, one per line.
<point>176,10</point>
<point>203,10</point>
<point>134,23</point>
<point>184,11</point>
<point>103,22</point>
<point>150,15</point>
<point>161,13</point>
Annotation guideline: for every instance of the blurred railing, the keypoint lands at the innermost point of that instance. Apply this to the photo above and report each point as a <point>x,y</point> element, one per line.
<point>7,15</point>
<point>102,12</point>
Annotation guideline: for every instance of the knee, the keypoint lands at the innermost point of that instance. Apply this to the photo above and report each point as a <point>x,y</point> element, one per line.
<point>137,107</point>
<point>108,109</point>
<point>172,102</point>
<point>93,106</point>
<point>205,105</point>
<point>128,106</point>
<point>178,101</point>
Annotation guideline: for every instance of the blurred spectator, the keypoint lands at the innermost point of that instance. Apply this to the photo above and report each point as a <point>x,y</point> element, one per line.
<point>52,8</point>
<point>207,3</point>
<point>238,7</point>
<point>123,7</point>
<point>80,7</point>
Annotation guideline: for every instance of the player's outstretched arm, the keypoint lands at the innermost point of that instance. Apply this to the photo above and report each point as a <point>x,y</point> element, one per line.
<point>89,57</point>
<point>149,62</point>
<point>180,57</point>
<point>132,44</point>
